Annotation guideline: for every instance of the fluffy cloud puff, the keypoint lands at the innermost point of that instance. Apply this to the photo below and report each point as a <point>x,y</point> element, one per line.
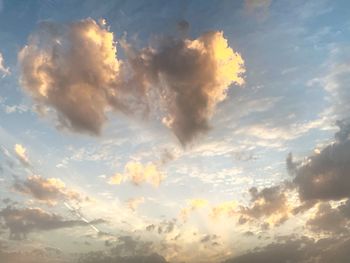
<point>74,70</point>
<point>138,173</point>
<point>269,203</point>
<point>193,76</point>
<point>21,153</point>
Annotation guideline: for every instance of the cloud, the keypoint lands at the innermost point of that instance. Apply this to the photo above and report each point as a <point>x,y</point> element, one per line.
<point>269,203</point>
<point>133,203</point>
<point>209,238</point>
<point>166,226</point>
<point>300,250</point>
<point>37,255</point>
<point>4,70</point>
<point>335,83</point>
<point>49,190</point>
<point>21,222</point>
<point>224,209</point>
<point>331,220</point>
<point>193,76</point>
<point>326,175</point>
<point>73,69</point>
<point>193,204</point>
<point>138,173</point>
<point>21,153</point>
<point>94,257</point>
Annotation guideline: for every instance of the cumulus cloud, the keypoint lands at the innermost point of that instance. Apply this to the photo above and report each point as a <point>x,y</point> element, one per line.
<point>3,69</point>
<point>73,69</point>
<point>139,173</point>
<point>269,203</point>
<point>326,175</point>
<point>21,222</point>
<point>21,153</point>
<point>193,76</point>
<point>50,190</point>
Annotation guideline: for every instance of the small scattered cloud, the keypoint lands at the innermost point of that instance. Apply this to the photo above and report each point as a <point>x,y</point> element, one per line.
<point>192,205</point>
<point>133,203</point>
<point>138,173</point>
<point>3,69</point>
<point>270,204</point>
<point>21,153</point>
<point>259,8</point>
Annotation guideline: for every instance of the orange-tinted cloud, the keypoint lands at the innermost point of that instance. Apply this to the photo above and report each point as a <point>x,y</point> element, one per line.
<point>21,153</point>
<point>138,173</point>
<point>73,70</point>
<point>192,77</point>
<point>50,190</point>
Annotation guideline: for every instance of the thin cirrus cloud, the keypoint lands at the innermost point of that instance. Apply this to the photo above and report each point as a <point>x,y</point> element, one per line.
<point>74,70</point>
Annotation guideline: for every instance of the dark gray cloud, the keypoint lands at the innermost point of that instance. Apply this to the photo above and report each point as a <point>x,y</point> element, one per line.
<point>331,220</point>
<point>101,257</point>
<point>325,175</point>
<point>166,226</point>
<point>42,255</point>
<point>22,221</point>
<point>303,250</point>
<point>126,249</point>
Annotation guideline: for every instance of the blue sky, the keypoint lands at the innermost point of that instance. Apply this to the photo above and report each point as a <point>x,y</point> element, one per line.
<point>126,127</point>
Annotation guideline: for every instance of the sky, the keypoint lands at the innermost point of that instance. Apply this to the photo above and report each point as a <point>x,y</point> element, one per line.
<point>174,131</point>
